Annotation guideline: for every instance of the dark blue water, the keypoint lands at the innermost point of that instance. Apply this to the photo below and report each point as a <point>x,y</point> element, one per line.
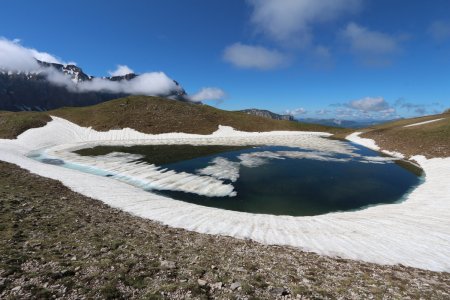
<point>303,187</point>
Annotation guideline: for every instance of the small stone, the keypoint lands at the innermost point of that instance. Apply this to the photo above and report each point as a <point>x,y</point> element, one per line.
<point>167,264</point>
<point>73,258</point>
<point>235,285</point>
<point>16,289</point>
<point>104,249</point>
<point>217,285</point>
<point>213,267</point>
<point>280,291</point>
<point>65,273</point>
<point>77,269</point>
<point>201,282</point>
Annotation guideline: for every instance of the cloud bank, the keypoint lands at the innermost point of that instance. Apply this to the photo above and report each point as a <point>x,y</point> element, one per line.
<point>151,84</point>
<point>253,57</point>
<point>16,58</point>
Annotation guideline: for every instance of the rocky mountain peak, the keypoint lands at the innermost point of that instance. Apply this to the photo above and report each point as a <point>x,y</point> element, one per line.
<point>34,91</point>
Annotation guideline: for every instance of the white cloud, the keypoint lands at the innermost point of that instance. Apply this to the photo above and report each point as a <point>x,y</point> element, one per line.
<point>439,31</point>
<point>290,21</point>
<point>296,112</point>
<point>369,104</point>
<point>209,93</point>
<point>121,70</point>
<point>253,57</point>
<point>44,56</point>
<point>371,46</point>
<point>14,57</point>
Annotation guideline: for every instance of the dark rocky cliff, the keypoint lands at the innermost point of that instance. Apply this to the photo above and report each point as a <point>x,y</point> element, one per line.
<point>267,114</point>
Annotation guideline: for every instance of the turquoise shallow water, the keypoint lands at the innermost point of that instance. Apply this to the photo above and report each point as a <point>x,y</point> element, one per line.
<point>299,187</point>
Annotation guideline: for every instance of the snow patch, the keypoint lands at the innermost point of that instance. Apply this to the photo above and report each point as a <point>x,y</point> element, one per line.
<point>222,168</point>
<point>425,122</point>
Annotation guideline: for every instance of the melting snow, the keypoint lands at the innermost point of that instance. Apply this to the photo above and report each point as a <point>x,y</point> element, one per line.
<point>426,122</point>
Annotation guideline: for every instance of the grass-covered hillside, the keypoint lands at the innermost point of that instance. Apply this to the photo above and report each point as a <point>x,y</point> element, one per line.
<point>160,115</point>
<point>13,124</point>
<point>431,139</point>
<point>151,115</point>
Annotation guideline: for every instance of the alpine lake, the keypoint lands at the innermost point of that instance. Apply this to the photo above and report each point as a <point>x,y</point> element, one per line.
<point>280,180</point>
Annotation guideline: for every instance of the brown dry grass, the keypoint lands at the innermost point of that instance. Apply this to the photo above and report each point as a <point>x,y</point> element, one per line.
<point>12,124</point>
<point>430,140</point>
<point>158,115</point>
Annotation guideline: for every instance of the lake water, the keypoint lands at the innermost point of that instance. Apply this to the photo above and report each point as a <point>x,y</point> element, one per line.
<point>281,180</point>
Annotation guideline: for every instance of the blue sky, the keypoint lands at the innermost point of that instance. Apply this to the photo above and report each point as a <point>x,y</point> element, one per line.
<point>350,59</point>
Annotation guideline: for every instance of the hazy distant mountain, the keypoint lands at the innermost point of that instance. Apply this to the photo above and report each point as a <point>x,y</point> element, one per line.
<point>34,91</point>
<point>267,114</point>
<point>344,123</point>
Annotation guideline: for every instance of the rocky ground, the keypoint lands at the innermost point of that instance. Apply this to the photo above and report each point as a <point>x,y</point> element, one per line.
<point>59,244</point>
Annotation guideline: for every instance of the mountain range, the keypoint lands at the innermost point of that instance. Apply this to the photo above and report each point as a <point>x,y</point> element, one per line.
<point>33,91</point>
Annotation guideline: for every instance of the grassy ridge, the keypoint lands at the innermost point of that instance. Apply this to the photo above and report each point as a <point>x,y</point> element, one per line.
<point>430,140</point>
<point>158,115</point>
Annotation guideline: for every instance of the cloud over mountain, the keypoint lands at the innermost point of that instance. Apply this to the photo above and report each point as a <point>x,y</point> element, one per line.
<point>121,70</point>
<point>16,58</point>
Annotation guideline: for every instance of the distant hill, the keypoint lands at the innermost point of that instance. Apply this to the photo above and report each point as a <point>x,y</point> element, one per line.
<point>344,123</point>
<point>32,91</point>
<point>151,115</point>
<point>267,114</point>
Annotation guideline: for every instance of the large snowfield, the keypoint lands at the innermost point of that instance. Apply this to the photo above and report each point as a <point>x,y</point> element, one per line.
<point>415,232</point>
